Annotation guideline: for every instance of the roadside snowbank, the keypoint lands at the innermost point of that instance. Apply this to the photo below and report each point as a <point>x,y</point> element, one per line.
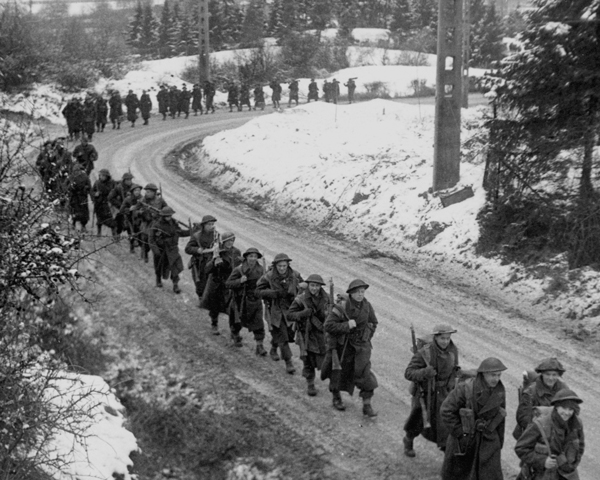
<point>102,449</point>
<point>364,171</point>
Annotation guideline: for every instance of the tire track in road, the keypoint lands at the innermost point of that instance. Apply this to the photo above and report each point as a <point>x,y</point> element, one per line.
<point>401,294</point>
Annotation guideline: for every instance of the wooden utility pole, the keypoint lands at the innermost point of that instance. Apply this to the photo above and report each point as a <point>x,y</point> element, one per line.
<point>203,46</point>
<point>449,94</point>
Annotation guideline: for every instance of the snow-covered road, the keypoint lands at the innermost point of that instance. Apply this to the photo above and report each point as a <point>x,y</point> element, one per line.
<point>401,295</point>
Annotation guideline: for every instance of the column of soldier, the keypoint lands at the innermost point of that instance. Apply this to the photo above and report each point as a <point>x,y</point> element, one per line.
<point>92,115</point>
<point>463,412</point>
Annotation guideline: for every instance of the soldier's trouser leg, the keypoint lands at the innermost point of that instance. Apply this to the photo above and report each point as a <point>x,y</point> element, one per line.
<point>308,371</point>
<point>259,335</point>
<point>286,352</point>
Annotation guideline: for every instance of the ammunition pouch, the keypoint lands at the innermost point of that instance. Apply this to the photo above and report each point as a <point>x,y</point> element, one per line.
<point>467,420</point>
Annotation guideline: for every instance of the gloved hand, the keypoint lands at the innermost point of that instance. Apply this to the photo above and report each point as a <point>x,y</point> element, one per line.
<point>429,372</point>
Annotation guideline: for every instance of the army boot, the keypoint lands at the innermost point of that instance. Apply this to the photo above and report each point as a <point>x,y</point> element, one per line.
<point>368,409</point>
<point>214,326</point>
<point>176,288</point>
<point>289,367</point>
<point>260,350</point>
<point>409,449</point>
<point>273,354</point>
<point>158,282</point>
<point>337,402</point>
<point>310,387</point>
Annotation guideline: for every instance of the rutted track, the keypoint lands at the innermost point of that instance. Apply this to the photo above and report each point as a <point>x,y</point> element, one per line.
<point>401,296</point>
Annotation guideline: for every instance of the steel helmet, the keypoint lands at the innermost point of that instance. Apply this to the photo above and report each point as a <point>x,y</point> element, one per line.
<point>127,175</point>
<point>166,211</point>
<point>252,250</point>
<point>314,278</point>
<point>207,218</point>
<point>565,395</point>
<point>490,365</point>
<point>441,329</point>
<point>151,186</point>
<point>550,364</point>
<point>227,236</point>
<point>354,284</point>
<point>281,257</point>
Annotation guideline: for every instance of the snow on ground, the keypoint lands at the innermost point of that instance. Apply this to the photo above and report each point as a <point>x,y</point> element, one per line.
<point>103,449</point>
<point>364,171</point>
<point>40,102</point>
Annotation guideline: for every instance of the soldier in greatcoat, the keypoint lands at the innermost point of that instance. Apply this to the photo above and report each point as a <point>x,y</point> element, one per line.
<point>85,154</point>
<point>309,311</point>
<point>132,221</point>
<point>173,101</point>
<point>116,109</point>
<point>474,414</point>
<point>294,88</point>
<point>196,99</point>
<point>245,307</point>
<point>132,103</point>
<point>275,93</point>
<point>74,117</point>
<point>259,97</point>
<point>350,327</point>
<point>313,91</point>
<point>89,117</point>
<point>116,197</point>
<point>79,191</point>
<point>232,97</point>
<point>101,113</point>
<point>148,211</point>
<point>145,106</point>
<point>209,94</point>
<point>245,96</point>
<point>539,393</point>
<point>351,89</point>
<point>164,237</point>
<point>327,91</point>
<point>218,269</point>
<point>100,192</point>
<point>162,98</point>
<point>201,247</point>
<point>184,101</point>
<point>334,89</point>
<point>432,368</point>
<point>278,287</point>
<point>553,444</point>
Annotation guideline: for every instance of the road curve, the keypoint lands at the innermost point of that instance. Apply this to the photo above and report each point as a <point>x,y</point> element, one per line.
<point>401,294</point>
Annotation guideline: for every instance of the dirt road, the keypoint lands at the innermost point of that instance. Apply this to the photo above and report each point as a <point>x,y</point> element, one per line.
<point>402,293</point>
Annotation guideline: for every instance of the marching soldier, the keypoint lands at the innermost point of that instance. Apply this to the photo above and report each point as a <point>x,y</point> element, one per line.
<point>474,414</point>
<point>294,88</point>
<point>196,99</point>
<point>275,93</point>
<point>79,190</point>
<point>327,91</point>
<point>173,102</point>
<point>350,327</point>
<point>259,97</point>
<point>129,213</point>
<point>309,312</point>
<point>278,287</point>
<point>334,90</point>
<point>162,97</point>
<point>85,154</point>
<point>313,91</point>
<point>245,96</point>
<point>184,101</point>
<point>73,115</point>
<point>201,246</point>
<point>539,393</point>
<point>101,113</point>
<point>116,109</point>
<point>209,94</point>
<point>245,308</point>
<point>351,88</point>
<point>148,211</point>
<point>116,197</point>
<point>218,269</point>
<point>433,370</point>
<point>163,237</point>
<point>552,446</point>
<point>100,192</point>
<point>232,97</point>
<point>89,117</point>
<point>132,103</point>
<point>145,106</point>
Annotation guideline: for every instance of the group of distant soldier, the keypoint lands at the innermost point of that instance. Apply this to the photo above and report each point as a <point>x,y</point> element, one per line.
<point>463,413</point>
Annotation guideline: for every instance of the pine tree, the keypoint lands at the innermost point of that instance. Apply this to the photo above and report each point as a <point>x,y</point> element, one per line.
<point>289,15</point>
<point>486,38</point>
<point>253,28</point>
<point>163,30</point>
<point>174,32</point>
<point>135,26</point>
<point>276,28</point>
<point>186,37</point>
<point>401,17</point>
<point>149,30</point>
<point>322,13</point>
<point>424,14</point>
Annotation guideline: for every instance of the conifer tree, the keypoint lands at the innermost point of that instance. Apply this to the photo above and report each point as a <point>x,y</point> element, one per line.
<point>174,32</point>
<point>424,14</point>
<point>186,37</point>
<point>163,30</point>
<point>135,26</point>
<point>253,28</point>
<point>276,27</point>
<point>486,38</point>
<point>322,13</point>
<point>149,30</point>
<point>401,17</point>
